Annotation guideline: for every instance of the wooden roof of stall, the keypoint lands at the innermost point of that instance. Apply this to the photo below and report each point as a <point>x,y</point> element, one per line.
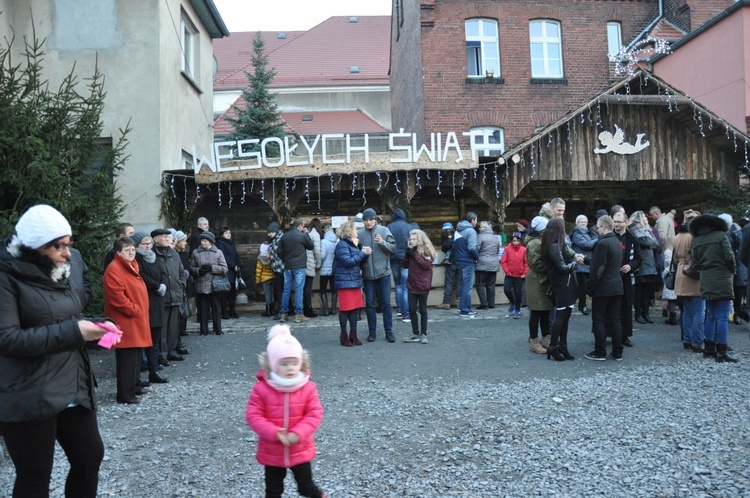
<point>687,142</point>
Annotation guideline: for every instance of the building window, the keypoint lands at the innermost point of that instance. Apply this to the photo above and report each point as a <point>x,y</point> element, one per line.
<point>489,140</point>
<point>189,47</point>
<point>614,38</point>
<point>482,48</point>
<point>546,49</point>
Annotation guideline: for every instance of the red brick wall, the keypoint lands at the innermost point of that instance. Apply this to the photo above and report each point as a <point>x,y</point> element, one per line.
<point>437,73</point>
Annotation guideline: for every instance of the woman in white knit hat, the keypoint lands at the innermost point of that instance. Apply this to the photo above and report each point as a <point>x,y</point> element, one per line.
<point>46,381</point>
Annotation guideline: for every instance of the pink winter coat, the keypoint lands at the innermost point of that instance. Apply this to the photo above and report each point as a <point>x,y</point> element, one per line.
<point>269,411</point>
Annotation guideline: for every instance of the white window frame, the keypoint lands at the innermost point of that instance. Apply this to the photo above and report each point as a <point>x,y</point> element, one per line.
<point>188,47</point>
<point>614,37</point>
<point>481,137</point>
<point>484,60</point>
<point>546,42</point>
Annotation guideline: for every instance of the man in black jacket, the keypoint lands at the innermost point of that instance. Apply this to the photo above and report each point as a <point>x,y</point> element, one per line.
<point>171,266</point>
<point>294,245</point>
<point>605,288</point>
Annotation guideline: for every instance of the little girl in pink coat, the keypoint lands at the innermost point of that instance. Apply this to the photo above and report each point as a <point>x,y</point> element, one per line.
<point>285,411</point>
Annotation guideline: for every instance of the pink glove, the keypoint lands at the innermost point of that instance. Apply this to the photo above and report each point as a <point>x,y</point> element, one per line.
<point>112,336</point>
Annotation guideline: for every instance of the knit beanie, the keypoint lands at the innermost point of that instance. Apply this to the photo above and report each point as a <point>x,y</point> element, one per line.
<point>369,214</point>
<point>41,224</point>
<point>447,226</point>
<point>273,227</point>
<point>727,217</point>
<point>179,236</point>
<point>281,344</point>
<point>264,247</point>
<point>138,237</point>
<point>539,223</point>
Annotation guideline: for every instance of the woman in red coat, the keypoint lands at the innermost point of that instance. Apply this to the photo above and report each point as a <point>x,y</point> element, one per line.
<point>126,302</point>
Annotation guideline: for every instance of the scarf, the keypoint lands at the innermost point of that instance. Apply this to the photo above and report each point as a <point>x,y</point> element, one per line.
<point>148,256</point>
<point>287,385</point>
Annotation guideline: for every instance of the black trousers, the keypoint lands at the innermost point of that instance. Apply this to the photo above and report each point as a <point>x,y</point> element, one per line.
<point>302,474</point>
<point>31,446</point>
<point>626,317</point>
<point>581,279</point>
<point>152,353</point>
<point>204,302</point>
<point>128,366</point>
<point>307,296</point>
<point>418,322</point>
<point>171,330</point>
<point>537,320</point>
<point>605,321</point>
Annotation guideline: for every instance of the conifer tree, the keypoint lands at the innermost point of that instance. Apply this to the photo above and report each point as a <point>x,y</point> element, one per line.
<point>261,117</point>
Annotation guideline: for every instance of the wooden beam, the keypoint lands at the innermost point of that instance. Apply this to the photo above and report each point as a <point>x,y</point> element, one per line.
<point>645,100</point>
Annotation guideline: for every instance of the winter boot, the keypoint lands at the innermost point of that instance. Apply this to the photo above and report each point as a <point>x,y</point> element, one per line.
<point>324,303</point>
<point>546,340</point>
<point>334,301</point>
<point>709,349</point>
<point>722,356</point>
<point>536,347</point>
<point>563,348</point>
<point>672,319</point>
<point>646,317</point>
<point>638,316</point>
<point>344,339</point>
<point>354,339</point>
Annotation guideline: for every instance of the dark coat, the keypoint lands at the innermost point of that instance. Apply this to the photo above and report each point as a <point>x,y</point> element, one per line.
<point>153,276</point>
<point>170,263</point>
<point>561,269</point>
<point>420,272</point>
<point>230,255</point>
<point>713,256</point>
<point>604,277</point>
<point>80,278</point>
<point>294,245</point>
<point>347,273</point>
<point>44,365</point>
<point>465,244</point>
<point>631,255</point>
<point>400,230</point>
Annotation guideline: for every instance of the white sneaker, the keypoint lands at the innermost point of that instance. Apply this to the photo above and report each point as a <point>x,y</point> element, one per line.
<point>414,338</point>
<point>423,340</point>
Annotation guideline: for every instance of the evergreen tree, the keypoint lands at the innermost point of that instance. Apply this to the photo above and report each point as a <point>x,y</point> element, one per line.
<point>52,152</point>
<point>261,117</point>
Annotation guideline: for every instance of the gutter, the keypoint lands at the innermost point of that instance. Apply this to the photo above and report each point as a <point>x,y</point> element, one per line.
<point>648,28</point>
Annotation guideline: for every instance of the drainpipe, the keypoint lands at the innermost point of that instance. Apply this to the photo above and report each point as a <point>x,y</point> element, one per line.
<point>649,27</point>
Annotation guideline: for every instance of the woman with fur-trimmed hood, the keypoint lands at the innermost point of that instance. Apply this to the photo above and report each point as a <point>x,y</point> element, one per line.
<point>712,255</point>
<point>285,411</point>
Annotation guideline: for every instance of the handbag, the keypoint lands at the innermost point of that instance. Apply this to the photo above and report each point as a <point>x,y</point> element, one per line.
<point>220,285</point>
<point>240,283</point>
<point>689,271</point>
<point>669,278</point>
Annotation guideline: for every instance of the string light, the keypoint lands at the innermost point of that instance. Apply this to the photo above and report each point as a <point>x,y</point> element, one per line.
<point>320,194</point>
<point>396,184</point>
<point>440,180</point>
<point>230,195</point>
<point>364,189</point>
<point>184,186</point>
<point>242,200</point>
<point>197,193</point>
<point>416,177</point>
<point>307,189</point>
<point>263,191</point>
<point>626,60</point>
<point>354,183</point>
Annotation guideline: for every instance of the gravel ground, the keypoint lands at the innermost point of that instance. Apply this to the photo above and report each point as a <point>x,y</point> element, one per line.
<point>472,414</point>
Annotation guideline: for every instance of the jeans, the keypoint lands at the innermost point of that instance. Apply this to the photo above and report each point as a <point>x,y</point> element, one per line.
<point>467,282</point>
<point>693,316</point>
<point>716,326</point>
<point>513,288</point>
<point>382,288</point>
<point>31,446</point>
<point>296,277</point>
<point>605,320</point>
<point>452,281</point>
<point>399,283</point>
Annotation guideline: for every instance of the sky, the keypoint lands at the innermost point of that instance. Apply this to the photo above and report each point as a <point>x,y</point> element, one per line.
<point>293,15</point>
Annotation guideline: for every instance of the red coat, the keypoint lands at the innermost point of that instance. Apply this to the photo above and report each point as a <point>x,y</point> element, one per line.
<point>514,261</point>
<point>420,273</point>
<point>126,302</point>
<point>269,411</point>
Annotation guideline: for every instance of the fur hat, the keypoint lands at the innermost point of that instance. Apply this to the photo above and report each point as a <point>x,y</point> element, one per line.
<point>447,226</point>
<point>138,237</point>
<point>281,344</point>
<point>539,223</point>
<point>208,236</point>
<point>369,214</point>
<point>41,224</point>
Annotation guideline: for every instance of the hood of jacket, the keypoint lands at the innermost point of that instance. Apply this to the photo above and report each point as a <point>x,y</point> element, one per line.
<point>707,223</point>
<point>28,265</point>
<point>399,214</point>
<point>464,225</point>
<point>330,236</point>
